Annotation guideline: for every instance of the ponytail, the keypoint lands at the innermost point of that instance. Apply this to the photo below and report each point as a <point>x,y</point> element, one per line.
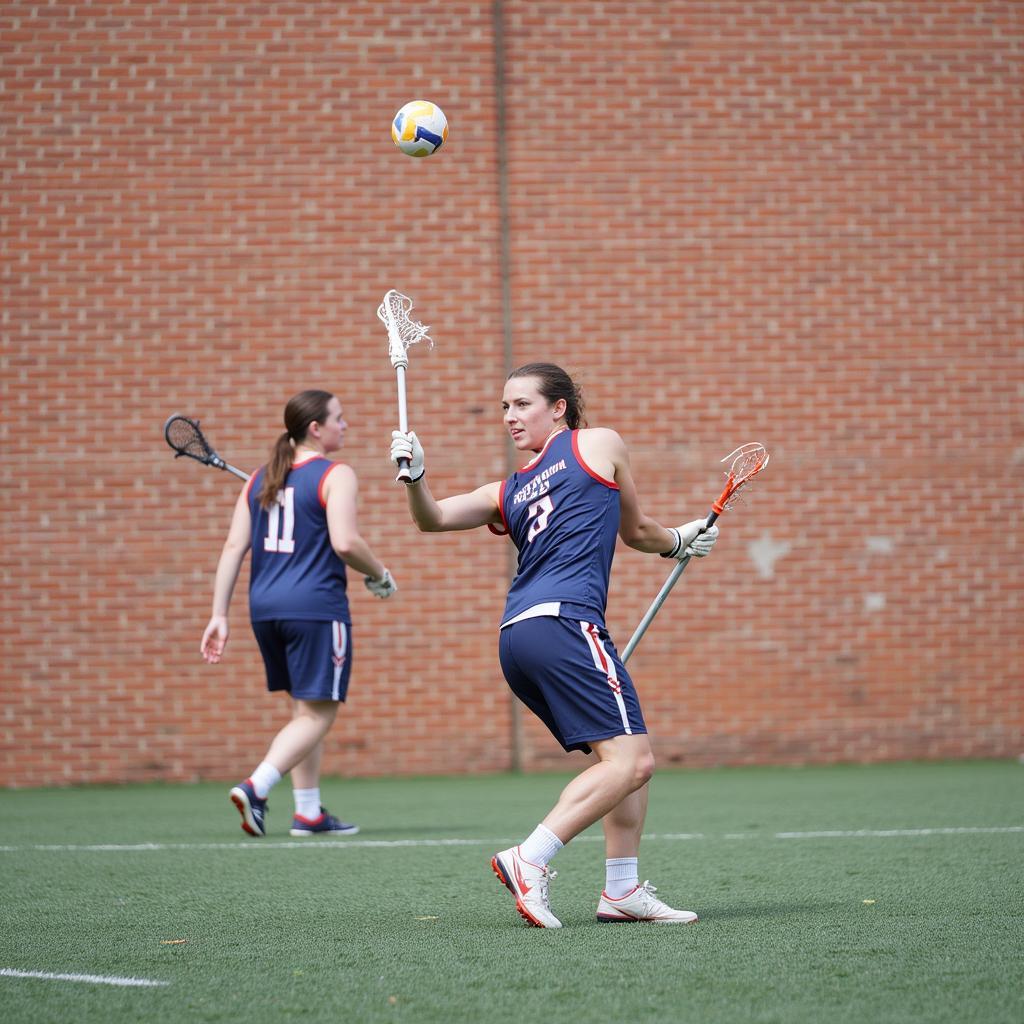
<point>280,465</point>
<point>302,409</point>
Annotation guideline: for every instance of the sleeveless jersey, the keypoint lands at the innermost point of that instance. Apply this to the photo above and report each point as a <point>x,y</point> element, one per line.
<point>564,519</point>
<point>295,571</point>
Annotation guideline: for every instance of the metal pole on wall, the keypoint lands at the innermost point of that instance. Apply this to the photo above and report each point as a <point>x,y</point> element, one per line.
<point>504,272</point>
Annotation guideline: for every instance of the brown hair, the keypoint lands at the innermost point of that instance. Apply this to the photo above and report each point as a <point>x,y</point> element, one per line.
<point>302,409</point>
<point>554,383</point>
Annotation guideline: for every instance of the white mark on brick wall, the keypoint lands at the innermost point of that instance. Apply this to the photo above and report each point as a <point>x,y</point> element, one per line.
<point>881,545</point>
<point>874,602</point>
<point>766,552</point>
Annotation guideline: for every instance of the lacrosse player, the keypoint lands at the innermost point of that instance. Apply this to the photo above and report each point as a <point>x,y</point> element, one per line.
<point>563,510</point>
<point>298,516</point>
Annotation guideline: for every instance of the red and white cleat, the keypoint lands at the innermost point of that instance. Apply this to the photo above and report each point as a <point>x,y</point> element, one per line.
<point>529,884</point>
<point>641,905</point>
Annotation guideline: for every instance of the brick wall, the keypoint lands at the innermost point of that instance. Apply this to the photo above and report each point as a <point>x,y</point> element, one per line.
<point>793,222</point>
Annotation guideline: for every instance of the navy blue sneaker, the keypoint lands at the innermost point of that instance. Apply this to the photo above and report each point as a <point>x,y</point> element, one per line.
<point>252,809</point>
<point>325,825</point>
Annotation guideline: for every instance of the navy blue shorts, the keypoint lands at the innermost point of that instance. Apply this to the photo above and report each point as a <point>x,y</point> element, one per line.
<point>569,675</point>
<point>311,660</point>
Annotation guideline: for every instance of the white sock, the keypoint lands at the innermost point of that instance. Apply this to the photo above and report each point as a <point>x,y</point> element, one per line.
<point>264,779</point>
<point>540,847</point>
<point>621,876</point>
<point>307,802</point>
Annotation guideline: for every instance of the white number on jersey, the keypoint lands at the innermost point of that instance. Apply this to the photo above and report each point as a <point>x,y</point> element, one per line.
<point>539,512</point>
<point>281,538</point>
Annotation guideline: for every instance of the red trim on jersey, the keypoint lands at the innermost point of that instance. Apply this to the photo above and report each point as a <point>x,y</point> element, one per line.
<point>583,465</point>
<point>249,483</point>
<point>320,487</point>
<point>547,444</point>
<point>501,509</point>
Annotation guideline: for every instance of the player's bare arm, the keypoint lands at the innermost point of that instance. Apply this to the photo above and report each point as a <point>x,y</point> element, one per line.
<point>606,453</point>
<point>459,512</point>
<point>215,636</point>
<point>341,490</point>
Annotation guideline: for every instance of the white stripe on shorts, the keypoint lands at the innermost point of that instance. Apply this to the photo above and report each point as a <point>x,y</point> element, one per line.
<point>604,663</point>
<point>339,635</point>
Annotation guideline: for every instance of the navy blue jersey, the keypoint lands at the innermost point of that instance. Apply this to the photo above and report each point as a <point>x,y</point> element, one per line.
<point>564,519</point>
<point>295,571</point>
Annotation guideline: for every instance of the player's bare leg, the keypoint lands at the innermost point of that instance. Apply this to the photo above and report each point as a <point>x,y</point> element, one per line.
<point>298,746</point>
<point>624,765</point>
<point>624,824</point>
<point>624,899</point>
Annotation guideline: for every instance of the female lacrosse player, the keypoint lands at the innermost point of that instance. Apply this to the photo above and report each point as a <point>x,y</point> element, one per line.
<point>562,510</point>
<point>298,515</point>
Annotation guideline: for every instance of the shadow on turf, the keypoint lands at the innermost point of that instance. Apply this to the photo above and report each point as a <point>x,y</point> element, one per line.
<point>787,909</point>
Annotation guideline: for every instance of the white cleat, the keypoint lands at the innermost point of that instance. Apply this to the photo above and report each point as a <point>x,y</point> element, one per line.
<point>641,905</point>
<point>529,884</point>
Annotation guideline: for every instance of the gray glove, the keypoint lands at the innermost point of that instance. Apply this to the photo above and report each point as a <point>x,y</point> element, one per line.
<point>384,587</point>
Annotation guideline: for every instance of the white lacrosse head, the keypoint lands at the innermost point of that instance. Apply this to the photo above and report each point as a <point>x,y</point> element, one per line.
<point>403,331</point>
<point>747,460</point>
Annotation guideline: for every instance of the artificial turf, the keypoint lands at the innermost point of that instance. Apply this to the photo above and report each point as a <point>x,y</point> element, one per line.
<point>909,908</point>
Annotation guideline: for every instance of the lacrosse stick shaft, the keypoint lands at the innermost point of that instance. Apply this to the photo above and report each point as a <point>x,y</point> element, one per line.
<point>237,472</point>
<point>403,420</point>
<point>656,604</point>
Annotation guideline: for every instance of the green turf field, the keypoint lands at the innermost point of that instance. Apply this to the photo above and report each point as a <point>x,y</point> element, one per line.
<point>909,908</point>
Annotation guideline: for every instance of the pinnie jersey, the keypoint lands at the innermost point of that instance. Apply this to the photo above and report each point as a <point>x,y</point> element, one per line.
<point>295,571</point>
<point>563,518</point>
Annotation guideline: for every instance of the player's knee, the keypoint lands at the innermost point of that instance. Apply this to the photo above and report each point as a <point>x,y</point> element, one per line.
<point>641,768</point>
<point>644,769</point>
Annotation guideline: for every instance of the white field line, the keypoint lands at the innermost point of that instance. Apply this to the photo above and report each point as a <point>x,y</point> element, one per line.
<point>92,979</point>
<point>375,844</point>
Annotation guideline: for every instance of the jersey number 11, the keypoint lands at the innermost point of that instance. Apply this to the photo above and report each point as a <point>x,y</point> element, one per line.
<point>281,536</point>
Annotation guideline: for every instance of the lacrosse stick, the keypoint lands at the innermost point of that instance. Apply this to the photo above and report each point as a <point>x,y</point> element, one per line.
<point>747,461</point>
<point>403,331</point>
<point>185,437</point>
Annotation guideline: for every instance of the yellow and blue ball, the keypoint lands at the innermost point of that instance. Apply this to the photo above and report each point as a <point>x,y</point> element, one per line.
<point>419,128</point>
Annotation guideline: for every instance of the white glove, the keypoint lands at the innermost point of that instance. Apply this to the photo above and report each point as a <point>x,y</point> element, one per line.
<point>692,540</point>
<point>384,587</point>
<point>407,446</point>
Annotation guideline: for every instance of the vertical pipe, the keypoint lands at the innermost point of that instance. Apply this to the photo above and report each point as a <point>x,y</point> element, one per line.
<point>504,272</point>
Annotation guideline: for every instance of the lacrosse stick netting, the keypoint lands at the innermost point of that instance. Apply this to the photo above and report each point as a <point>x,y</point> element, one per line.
<point>185,437</point>
<point>403,331</point>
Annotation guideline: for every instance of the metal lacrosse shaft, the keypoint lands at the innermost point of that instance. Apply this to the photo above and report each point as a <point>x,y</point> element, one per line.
<point>403,419</point>
<point>237,472</point>
<point>656,604</point>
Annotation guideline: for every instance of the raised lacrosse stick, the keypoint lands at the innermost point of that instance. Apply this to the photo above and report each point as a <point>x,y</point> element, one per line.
<point>185,437</point>
<point>403,331</point>
<point>747,461</point>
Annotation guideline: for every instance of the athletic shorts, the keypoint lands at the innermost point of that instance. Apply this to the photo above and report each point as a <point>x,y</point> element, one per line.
<point>311,660</point>
<point>569,675</point>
